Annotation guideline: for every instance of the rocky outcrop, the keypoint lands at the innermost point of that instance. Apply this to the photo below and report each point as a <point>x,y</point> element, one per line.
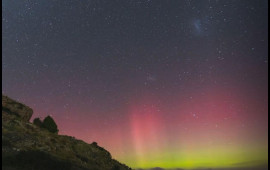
<point>26,146</point>
<point>10,106</point>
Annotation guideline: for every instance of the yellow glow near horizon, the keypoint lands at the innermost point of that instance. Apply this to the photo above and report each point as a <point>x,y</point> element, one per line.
<point>208,158</point>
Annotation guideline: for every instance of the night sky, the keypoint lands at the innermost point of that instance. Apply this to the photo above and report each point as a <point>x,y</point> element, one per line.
<point>169,84</point>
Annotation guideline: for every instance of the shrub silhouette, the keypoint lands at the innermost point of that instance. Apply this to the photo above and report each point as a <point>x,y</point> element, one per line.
<point>50,125</point>
<point>94,143</point>
<point>37,122</point>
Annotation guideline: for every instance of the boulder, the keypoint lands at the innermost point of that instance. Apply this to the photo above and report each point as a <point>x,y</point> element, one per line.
<point>13,107</point>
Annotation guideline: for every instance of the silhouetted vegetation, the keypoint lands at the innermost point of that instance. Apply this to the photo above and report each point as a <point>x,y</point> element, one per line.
<point>27,146</point>
<point>37,122</point>
<point>94,143</point>
<point>50,125</point>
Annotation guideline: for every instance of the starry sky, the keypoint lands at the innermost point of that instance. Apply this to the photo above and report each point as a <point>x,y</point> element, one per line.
<point>179,83</point>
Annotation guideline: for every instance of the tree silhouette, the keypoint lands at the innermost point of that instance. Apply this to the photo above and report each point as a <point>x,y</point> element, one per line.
<point>50,125</point>
<point>37,122</point>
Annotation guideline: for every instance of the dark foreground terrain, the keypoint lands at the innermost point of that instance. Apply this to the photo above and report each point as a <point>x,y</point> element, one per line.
<point>26,146</point>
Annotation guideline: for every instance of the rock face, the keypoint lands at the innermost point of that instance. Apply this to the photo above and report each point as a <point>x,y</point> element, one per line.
<point>26,146</point>
<point>12,107</point>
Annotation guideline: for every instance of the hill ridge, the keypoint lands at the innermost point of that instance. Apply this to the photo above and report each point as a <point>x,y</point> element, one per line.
<point>27,146</point>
